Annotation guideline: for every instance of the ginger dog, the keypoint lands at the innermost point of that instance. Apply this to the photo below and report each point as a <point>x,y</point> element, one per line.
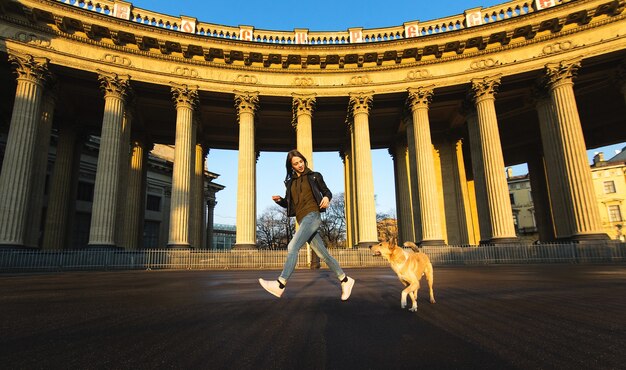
<point>409,267</point>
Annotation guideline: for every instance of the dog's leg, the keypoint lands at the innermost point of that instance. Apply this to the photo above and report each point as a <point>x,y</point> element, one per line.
<point>411,289</point>
<point>413,296</point>
<point>430,277</point>
<point>403,299</point>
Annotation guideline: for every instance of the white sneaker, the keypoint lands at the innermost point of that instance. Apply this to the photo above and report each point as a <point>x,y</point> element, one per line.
<point>272,286</point>
<point>346,289</point>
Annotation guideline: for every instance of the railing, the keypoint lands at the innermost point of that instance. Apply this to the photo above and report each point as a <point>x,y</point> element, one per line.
<point>469,18</point>
<point>68,260</point>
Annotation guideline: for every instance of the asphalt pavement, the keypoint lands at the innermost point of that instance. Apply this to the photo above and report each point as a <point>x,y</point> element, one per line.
<point>486,317</point>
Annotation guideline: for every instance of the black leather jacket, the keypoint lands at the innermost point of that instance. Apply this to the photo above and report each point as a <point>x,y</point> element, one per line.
<point>318,187</point>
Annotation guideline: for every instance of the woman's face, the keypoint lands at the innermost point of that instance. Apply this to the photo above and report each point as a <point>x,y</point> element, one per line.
<point>298,165</point>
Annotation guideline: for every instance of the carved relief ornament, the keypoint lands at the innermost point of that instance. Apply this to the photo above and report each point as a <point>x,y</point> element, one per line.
<point>420,97</point>
<point>246,102</point>
<point>486,87</point>
<point>30,38</point>
<point>563,72</point>
<point>303,104</point>
<point>185,95</point>
<point>114,85</point>
<point>361,102</point>
<point>30,68</point>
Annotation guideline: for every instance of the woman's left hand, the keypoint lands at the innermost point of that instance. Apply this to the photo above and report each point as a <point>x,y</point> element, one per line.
<point>324,203</point>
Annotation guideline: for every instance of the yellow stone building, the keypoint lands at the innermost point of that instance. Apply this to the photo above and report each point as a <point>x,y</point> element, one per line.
<point>609,181</point>
<point>455,100</point>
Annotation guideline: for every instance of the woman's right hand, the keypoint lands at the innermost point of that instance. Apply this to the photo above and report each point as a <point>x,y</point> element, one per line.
<point>276,198</point>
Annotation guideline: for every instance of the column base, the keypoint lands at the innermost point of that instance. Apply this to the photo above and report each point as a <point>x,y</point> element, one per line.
<point>503,240</point>
<point>432,243</point>
<point>179,246</point>
<point>365,244</point>
<point>243,246</point>
<point>16,247</point>
<point>585,238</point>
<point>103,247</point>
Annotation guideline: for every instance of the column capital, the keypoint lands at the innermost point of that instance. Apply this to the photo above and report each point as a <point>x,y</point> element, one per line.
<point>562,72</point>
<point>420,97</point>
<point>246,102</point>
<point>184,95</point>
<point>361,102</point>
<point>303,104</point>
<point>30,68</point>
<point>485,88</point>
<point>114,85</point>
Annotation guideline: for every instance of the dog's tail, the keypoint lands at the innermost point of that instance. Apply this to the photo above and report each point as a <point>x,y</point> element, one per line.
<point>412,246</point>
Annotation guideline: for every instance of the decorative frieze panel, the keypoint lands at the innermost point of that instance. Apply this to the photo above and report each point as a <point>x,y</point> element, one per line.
<point>303,81</point>
<point>558,47</point>
<point>30,38</point>
<point>360,80</point>
<point>246,79</point>
<point>186,72</point>
<point>484,64</point>
<point>417,74</point>
<point>116,59</point>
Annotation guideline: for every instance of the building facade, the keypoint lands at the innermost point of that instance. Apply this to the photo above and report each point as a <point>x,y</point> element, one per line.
<point>455,100</point>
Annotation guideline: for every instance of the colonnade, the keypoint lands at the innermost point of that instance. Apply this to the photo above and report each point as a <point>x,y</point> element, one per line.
<point>463,209</point>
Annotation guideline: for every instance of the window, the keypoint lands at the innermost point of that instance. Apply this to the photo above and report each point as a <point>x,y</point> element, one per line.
<point>609,187</point>
<point>85,191</point>
<point>153,203</point>
<point>615,214</point>
<point>512,196</point>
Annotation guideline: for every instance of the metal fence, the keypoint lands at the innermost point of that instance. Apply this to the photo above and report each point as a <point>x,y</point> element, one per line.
<point>149,259</point>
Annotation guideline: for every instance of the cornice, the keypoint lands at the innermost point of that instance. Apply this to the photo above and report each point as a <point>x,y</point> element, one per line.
<point>383,79</point>
<point>355,51</point>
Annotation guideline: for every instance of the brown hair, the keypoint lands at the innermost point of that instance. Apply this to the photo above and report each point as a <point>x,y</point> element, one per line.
<point>293,153</point>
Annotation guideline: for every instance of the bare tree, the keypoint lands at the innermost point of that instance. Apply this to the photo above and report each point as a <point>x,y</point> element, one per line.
<point>333,227</point>
<point>274,229</point>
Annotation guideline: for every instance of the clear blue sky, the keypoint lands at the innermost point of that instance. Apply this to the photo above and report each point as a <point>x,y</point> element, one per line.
<point>321,15</point>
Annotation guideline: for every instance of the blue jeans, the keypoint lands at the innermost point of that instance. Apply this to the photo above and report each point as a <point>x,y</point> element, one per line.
<point>308,232</point>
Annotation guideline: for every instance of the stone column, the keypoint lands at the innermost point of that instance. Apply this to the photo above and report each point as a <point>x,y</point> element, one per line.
<point>40,170</point>
<point>210,204</point>
<point>16,181</point>
<point>454,190</point>
<point>62,181</point>
<point>354,203</point>
<point>347,197</point>
<point>199,203</point>
<point>303,107</point>
<point>303,113</point>
<point>427,194</point>
<point>415,207</point>
<point>186,99</point>
<point>573,176</point>
<point>102,233</point>
<point>123,200</point>
<point>403,193</point>
<point>488,149</point>
<point>136,193</point>
<point>246,104</point>
<point>540,197</point>
<point>360,105</point>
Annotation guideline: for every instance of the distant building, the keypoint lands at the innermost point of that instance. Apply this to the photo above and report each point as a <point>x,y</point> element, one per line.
<point>156,204</point>
<point>609,181</point>
<point>522,204</point>
<point>224,236</point>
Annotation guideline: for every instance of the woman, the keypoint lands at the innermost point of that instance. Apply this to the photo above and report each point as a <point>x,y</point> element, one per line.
<point>306,196</point>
